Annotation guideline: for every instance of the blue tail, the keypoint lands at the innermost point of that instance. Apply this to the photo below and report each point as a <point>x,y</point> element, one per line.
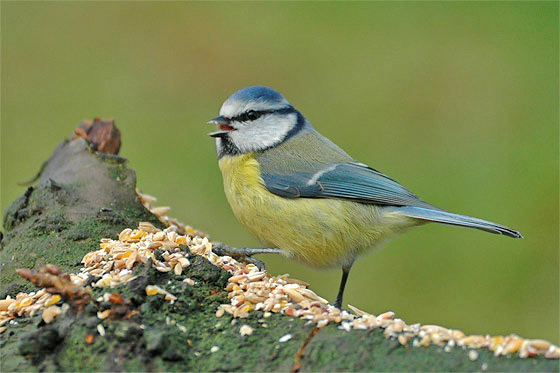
<point>444,217</point>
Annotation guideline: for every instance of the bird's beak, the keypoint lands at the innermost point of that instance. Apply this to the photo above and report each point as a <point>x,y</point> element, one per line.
<point>223,124</point>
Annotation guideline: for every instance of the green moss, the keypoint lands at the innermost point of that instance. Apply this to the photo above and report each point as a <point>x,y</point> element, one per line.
<point>77,355</point>
<point>109,158</point>
<point>179,336</point>
<point>38,232</point>
<point>118,173</point>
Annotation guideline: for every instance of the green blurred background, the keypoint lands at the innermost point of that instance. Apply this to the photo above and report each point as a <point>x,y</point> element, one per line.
<point>458,101</point>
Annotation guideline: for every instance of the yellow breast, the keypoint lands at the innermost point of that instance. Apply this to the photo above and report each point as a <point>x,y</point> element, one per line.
<point>318,232</point>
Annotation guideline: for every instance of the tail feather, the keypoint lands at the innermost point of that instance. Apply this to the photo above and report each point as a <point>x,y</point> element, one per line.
<point>445,217</point>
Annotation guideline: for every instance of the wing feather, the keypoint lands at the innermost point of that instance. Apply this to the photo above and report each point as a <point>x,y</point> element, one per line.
<point>351,180</point>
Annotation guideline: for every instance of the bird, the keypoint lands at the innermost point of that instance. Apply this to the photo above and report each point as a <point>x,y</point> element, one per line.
<point>306,198</point>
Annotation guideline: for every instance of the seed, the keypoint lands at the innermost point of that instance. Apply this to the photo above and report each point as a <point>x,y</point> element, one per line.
<point>178,269</point>
<point>238,278</point>
<point>162,210</point>
<point>5,304</point>
<point>473,355</point>
<point>311,295</point>
<point>255,276</point>
<point>296,296</point>
<point>285,338</point>
<point>147,227</point>
<point>124,234</point>
<point>357,311</point>
<point>512,345</point>
<point>471,340</point>
<point>172,236</point>
<point>553,353</point>
<point>50,313</point>
<point>103,314</point>
<point>398,325</point>
<point>214,349</point>
<point>188,281</point>
<point>163,268</point>
<point>146,198</point>
<point>245,330</point>
<point>386,315</point>
<point>295,281</point>
<point>457,334</point>
<point>101,330</point>
<point>159,236</point>
<point>495,342</point>
<point>220,312</point>
<point>24,302</point>
<point>359,324</point>
<point>131,260</point>
<point>152,289</point>
<point>346,326</point>
<point>403,339</point>
<point>538,345</point>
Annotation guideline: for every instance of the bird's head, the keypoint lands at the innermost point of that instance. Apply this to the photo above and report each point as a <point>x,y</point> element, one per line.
<point>254,119</point>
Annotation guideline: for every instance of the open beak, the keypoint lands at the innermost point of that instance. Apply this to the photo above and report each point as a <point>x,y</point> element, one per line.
<point>223,125</point>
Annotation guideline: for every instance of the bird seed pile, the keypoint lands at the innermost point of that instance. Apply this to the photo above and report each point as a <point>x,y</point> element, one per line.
<point>248,289</point>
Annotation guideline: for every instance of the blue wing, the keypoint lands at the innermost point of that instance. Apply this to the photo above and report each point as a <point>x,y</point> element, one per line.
<point>349,180</point>
<point>326,171</point>
<point>358,182</point>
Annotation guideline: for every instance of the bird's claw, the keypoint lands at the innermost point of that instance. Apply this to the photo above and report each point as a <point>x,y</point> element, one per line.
<point>243,254</point>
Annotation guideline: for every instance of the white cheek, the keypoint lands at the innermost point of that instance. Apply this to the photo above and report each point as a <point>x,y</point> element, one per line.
<point>266,132</point>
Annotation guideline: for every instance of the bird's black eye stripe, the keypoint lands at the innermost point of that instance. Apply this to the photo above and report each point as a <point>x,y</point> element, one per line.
<point>252,115</point>
<point>248,116</point>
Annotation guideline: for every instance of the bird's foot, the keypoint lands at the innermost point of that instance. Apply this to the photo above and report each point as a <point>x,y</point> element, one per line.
<point>244,254</point>
<point>338,303</point>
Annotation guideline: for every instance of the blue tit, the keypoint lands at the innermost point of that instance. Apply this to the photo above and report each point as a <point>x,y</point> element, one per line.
<point>304,196</point>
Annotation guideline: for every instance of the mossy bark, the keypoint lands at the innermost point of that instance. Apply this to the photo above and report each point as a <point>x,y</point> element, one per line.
<point>82,197</point>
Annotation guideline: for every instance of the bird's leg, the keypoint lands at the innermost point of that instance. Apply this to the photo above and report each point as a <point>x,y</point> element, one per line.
<point>345,271</point>
<point>244,253</point>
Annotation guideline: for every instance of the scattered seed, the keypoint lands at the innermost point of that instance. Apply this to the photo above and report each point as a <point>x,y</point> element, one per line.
<point>103,314</point>
<point>248,289</point>
<point>285,338</point>
<point>101,330</point>
<point>50,313</point>
<point>178,269</point>
<point>152,289</point>
<point>245,330</point>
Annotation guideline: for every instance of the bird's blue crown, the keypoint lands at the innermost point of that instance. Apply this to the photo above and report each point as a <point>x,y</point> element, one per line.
<point>257,93</point>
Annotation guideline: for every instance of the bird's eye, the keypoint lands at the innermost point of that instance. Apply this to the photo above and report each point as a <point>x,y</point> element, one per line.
<point>252,115</point>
